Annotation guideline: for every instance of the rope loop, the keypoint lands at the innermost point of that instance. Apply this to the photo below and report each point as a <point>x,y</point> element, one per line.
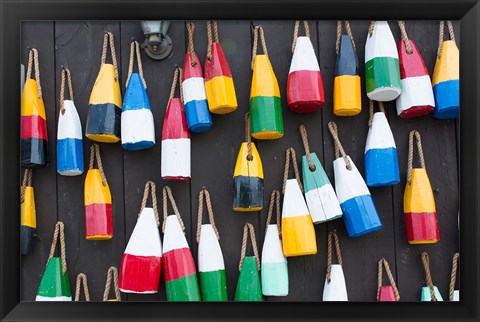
<point>177,79</point>
<point>82,278</point>
<point>441,34</point>
<point>274,199</point>
<point>417,136</point>
<point>246,228</point>
<point>59,233</point>
<point>332,126</point>
<point>248,136</point>
<point>333,235</point>
<point>95,154</point>
<point>371,111</point>
<point>290,154</point>
<point>403,34</point>
<point>256,31</point>
<point>383,263</point>
<point>303,133</point>
<point>295,32</point>
<point>204,193</point>
<point>66,77</point>
<point>112,276</point>
<point>453,276</point>
<point>150,187</point>
<point>428,276</point>
<point>135,51</point>
<point>108,40</point>
<point>210,38</point>
<point>339,35</point>
<point>27,182</point>
<point>33,60</point>
<point>167,195</point>
<point>191,48</point>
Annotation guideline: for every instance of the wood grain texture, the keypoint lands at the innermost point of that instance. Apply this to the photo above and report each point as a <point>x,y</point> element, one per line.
<point>77,45</point>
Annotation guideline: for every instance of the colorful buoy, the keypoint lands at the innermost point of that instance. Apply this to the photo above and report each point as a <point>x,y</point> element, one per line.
<point>69,133</point>
<point>248,175</point>
<point>321,198</point>
<point>416,98</point>
<point>265,102</point>
<point>104,113</point>
<point>386,293</point>
<point>418,201</point>
<point>138,128</point>
<point>249,288</point>
<point>446,77</point>
<point>335,288</point>
<point>298,234</point>
<point>199,119</point>
<point>211,267</point>
<point>175,162</point>
<point>55,284</point>
<point>28,216</point>
<point>34,137</point>
<point>219,86</point>
<point>112,277</point>
<point>98,200</point>
<point>359,212</point>
<point>274,266</point>
<point>381,159</point>
<point>382,73</point>
<point>430,292</point>
<point>179,268</point>
<point>347,92</point>
<point>305,84</point>
<point>142,260</point>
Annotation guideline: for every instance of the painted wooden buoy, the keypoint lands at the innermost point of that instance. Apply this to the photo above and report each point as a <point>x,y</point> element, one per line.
<point>98,200</point>
<point>112,278</point>
<point>175,157</point>
<point>416,98</point>
<point>335,288</point>
<point>198,116</point>
<point>249,288</point>
<point>382,72</point>
<point>248,175</point>
<point>142,260</point>
<point>274,266</point>
<point>137,125</point>
<point>321,199</point>
<point>28,215</point>
<point>179,268</point>
<point>305,84</point>
<point>105,105</point>
<point>55,284</point>
<point>418,201</point>
<point>359,212</point>
<point>298,233</point>
<point>430,292</point>
<point>446,77</point>
<point>453,294</point>
<point>386,293</point>
<point>219,86</point>
<point>211,267</point>
<point>69,132</point>
<point>381,159</point>
<point>81,281</point>
<point>34,137</point>
<point>265,102</point>
<point>347,90</point>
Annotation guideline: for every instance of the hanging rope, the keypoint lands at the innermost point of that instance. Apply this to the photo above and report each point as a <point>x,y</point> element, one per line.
<point>135,50</point>
<point>274,199</point>
<point>108,39</point>
<point>210,38</point>
<point>177,78</point>
<point>59,232</point>
<point>167,192</point>
<point>371,110</point>
<point>332,126</point>
<point>371,27</point>
<point>66,76</point>
<point>441,34</point>
<point>290,154</point>
<point>82,278</point>
<point>333,234</point>
<point>248,136</point>
<point>410,153</point>
<point>150,186</point>
<point>112,276</point>
<point>303,133</point>
<point>191,48</point>
<point>204,192</point>
<point>453,276</point>
<point>428,276</point>
<point>256,31</point>
<point>383,263</point>
<point>295,32</point>
<point>95,154</point>
<point>27,182</point>
<point>339,35</point>
<point>403,34</point>
<point>33,60</point>
<point>246,228</point>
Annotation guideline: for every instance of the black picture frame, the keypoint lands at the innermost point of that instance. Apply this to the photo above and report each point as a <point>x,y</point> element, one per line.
<point>13,12</point>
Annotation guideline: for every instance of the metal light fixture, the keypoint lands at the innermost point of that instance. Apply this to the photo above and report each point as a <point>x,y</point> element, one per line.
<point>157,44</point>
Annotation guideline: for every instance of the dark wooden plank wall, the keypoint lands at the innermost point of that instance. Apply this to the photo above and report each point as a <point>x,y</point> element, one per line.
<point>77,45</point>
